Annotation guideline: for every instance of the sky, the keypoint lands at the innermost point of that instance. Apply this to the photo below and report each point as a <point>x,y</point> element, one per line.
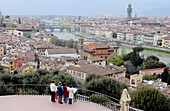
<point>84,7</point>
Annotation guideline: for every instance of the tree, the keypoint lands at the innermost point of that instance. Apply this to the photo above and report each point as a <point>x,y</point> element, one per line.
<point>149,99</point>
<point>166,76</point>
<point>133,58</point>
<point>91,77</point>
<point>116,60</point>
<point>15,72</point>
<point>7,16</point>
<point>65,78</point>
<point>70,43</point>
<point>42,72</point>
<point>127,56</point>
<point>1,69</point>
<point>138,49</point>
<point>5,78</point>
<point>152,57</point>
<point>46,79</point>
<point>150,77</point>
<point>31,78</point>
<point>151,64</point>
<point>130,68</point>
<point>17,79</point>
<point>114,35</point>
<point>106,86</point>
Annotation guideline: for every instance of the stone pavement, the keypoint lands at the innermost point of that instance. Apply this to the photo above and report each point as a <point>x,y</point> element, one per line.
<point>42,103</point>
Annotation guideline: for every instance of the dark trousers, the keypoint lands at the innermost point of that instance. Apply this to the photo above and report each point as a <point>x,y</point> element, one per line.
<point>70,101</point>
<point>60,99</point>
<point>65,99</point>
<point>53,96</point>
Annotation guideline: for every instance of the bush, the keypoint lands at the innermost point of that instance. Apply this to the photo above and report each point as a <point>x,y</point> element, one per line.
<point>149,99</point>
<point>100,99</point>
<point>106,86</point>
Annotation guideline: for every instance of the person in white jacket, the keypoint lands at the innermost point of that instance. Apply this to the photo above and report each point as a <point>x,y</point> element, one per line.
<point>53,90</point>
<point>71,94</point>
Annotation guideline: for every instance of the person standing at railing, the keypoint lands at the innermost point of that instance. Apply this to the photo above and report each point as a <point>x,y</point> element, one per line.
<point>53,90</point>
<point>65,93</point>
<point>71,94</point>
<point>60,92</point>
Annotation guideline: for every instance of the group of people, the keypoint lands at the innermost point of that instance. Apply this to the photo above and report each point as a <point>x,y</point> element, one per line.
<point>61,91</point>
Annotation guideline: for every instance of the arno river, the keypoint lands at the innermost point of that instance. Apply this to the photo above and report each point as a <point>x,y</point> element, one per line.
<point>164,57</point>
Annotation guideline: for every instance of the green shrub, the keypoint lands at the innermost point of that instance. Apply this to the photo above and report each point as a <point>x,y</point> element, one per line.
<point>100,99</point>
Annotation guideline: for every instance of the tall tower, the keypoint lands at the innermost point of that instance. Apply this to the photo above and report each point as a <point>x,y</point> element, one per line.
<point>80,47</point>
<point>129,11</point>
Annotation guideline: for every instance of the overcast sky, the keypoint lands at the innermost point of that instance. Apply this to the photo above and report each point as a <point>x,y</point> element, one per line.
<point>84,7</point>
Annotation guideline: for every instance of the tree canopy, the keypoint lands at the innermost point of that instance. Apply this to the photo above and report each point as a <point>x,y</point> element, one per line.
<point>149,99</point>
<point>116,60</point>
<point>151,64</point>
<point>106,86</point>
<point>152,57</point>
<point>166,76</point>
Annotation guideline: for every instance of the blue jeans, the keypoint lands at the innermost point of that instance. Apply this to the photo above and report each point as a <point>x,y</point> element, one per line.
<point>53,96</point>
<point>70,100</point>
<point>65,99</point>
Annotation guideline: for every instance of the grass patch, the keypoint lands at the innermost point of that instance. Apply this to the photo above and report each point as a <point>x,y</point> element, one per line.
<point>157,50</point>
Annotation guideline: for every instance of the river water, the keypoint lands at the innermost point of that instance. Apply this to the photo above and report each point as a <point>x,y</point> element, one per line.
<point>164,57</point>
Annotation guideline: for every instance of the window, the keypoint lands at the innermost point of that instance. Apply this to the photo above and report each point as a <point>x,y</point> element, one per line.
<point>101,52</point>
<point>97,61</point>
<point>74,73</point>
<point>79,74</point>
<point>105,57</point>
<point>133,81</point>
<point>105,52</point>
<point>71,72</point>
<point>101,57</point>
<point>82,75</point>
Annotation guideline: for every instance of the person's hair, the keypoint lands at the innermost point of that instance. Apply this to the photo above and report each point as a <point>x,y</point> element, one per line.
<point>64,84</point>
<point>52,81</point>
<point>71,86</point>
<point>60,83</point>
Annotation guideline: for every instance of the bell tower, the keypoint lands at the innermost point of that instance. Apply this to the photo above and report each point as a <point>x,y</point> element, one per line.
<point>80,47</point>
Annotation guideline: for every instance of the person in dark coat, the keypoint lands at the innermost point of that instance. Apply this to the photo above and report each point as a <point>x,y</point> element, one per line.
<point>60,92</point>
<point>65,92</point>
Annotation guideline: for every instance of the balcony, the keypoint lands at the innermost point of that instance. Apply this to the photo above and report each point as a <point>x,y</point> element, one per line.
<point>37,98</point>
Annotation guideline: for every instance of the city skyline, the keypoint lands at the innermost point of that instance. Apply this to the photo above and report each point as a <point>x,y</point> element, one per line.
<point>77,7</point>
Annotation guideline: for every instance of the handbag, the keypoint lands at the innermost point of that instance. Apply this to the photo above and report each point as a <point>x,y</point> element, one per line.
<point>55,96</point>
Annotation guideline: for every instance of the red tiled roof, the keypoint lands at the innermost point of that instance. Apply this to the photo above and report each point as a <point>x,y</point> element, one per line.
<point>152,69</point>
<point>99,45</point>
<point>167,38</point>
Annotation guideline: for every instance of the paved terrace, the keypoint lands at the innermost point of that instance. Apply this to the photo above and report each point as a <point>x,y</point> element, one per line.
<point>42,103</point>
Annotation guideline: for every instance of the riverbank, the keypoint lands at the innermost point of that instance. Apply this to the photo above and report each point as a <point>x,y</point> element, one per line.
<point>157,49</point>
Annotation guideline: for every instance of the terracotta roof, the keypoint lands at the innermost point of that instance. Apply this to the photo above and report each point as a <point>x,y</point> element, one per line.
<point>167,38</point>
<point>99,45</point>
<point>152,69</point>
<point>88,68</point>
<point>96,59</point>
<point>85,48</point>
<point>41,35</point>
<point>62,51</point>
